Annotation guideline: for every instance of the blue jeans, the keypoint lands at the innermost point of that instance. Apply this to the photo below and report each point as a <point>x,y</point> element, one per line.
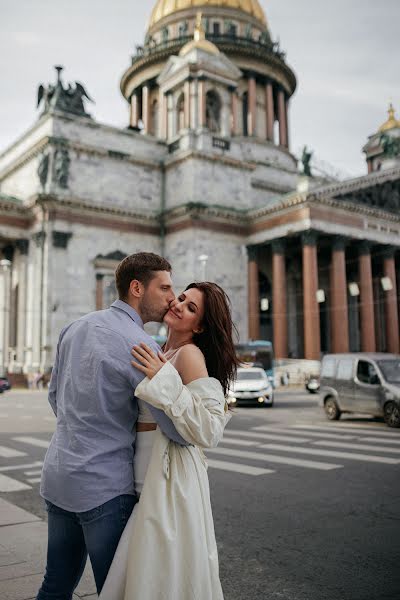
<point>72,536</point>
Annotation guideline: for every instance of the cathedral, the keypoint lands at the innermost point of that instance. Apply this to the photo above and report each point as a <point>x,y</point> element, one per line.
<point>202,174</point>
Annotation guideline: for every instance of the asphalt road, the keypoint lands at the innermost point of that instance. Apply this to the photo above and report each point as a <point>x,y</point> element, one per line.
<point>304,509</point>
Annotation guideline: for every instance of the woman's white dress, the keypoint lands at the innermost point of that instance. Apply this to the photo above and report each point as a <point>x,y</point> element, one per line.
<point>168,549</point>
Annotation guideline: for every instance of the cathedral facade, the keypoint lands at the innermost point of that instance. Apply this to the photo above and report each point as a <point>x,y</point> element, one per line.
<point>202,174</point>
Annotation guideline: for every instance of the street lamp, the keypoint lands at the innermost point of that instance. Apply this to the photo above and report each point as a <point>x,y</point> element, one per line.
<point>203,258</point>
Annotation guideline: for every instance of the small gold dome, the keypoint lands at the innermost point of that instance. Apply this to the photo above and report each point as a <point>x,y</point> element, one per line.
<point>392,122</point>
<point>163,8</point>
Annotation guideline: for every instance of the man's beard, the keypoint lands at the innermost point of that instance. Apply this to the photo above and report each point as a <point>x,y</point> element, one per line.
<point>150,312</point>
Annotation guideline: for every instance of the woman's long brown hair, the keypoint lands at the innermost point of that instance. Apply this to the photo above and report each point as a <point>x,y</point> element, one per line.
<point>216,337</point>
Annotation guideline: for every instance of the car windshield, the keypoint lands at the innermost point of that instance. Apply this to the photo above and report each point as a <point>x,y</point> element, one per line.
<point>249,375</point>
<point>390,370</point>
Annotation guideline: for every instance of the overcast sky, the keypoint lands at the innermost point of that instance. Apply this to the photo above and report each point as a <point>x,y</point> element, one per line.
<point>344,53</point>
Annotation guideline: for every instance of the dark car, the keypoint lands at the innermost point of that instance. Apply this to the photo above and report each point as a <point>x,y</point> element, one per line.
<point>361,383</point>
<point>4,384</point>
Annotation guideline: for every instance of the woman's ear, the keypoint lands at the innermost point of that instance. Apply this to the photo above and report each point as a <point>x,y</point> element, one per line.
<point>198,330</point>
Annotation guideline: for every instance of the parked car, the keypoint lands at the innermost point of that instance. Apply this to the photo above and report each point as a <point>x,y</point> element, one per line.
<point>4,384</point>
<point>312,384</point>
<point>361,383</point>
<point>251,386</point>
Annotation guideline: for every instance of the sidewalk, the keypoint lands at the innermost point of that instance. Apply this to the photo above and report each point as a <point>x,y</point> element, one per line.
<point>23,544</point>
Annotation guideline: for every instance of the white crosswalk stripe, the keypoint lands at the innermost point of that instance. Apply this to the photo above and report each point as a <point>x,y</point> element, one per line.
<point>368,447</point>
<point>332,454</point>
<point>275,459</point>
<point>37,463</point>
<point>10,452</point>
<point>381,440</point>
<point>32,441</point>
<point>267,436</point>
<point>32,473</point>
<point>237,441</point>
<point>353,429</point>
<point>237,468</point>
<point>333,436</point>
<point>34,480</point>
<point>7,484</point>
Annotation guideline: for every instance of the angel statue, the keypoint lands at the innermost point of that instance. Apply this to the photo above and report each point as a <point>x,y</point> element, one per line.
<point>306,160</point>
<point>57,97</point>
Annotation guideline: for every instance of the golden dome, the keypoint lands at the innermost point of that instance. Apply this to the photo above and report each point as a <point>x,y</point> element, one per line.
<point>392,122</point>
<point>163,8</point>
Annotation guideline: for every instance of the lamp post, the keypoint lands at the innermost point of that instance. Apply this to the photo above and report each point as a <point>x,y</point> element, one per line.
<point>4,320</point>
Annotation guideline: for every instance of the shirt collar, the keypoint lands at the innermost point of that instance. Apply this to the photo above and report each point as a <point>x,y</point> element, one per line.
<point>134,315</point>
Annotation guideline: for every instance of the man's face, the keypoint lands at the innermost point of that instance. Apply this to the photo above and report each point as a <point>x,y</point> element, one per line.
<point>157,297</point>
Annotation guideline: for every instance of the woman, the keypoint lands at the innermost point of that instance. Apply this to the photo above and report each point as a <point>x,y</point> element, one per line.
<point>168,549</point>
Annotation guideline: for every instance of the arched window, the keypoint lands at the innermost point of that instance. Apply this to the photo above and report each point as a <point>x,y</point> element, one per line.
<point>154,117</point>
<point>180,113</point>
<point>213,111</point>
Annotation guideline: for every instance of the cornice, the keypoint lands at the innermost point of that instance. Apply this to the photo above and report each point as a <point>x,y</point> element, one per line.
<point>358,183</point>
<point>179,157</point>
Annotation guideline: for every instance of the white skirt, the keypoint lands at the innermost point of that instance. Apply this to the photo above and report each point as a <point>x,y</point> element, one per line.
<point>168,549</point>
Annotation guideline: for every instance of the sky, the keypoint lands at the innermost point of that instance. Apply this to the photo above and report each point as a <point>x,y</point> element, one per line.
<point>344,53</point>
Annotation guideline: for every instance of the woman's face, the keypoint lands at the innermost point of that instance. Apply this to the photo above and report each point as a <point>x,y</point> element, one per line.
<point>186,312</point>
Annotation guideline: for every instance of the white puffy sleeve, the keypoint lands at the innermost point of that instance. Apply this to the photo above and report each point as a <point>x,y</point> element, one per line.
<point>197,410</point>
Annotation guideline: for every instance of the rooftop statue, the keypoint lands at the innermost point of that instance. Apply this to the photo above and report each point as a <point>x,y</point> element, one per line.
<point>57,97</point>
<point>306,160</point>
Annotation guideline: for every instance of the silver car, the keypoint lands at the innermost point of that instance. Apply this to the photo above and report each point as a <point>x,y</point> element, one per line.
<point>251,386</point>
<point>361,383</point>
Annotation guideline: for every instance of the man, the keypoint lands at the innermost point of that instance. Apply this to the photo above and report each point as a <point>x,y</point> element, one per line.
<point>88,480</point>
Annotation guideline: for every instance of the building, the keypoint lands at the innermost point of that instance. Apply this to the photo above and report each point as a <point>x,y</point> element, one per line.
<point>203,174</point>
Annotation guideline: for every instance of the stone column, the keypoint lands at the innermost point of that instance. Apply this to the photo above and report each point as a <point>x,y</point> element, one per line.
<point>312,336</point>
<point>202,102</point>
<point>146,108</point>
<point>162,112</point>
<point>234,109</point>
<point>23,246</point>
<point>194,110</point>
<point>338,301</point>
<point>283,137</point>
<point>270,111</point>
<point>391,310</point>
<point>253,295</point>
<point>99,291</point>
<point>134,110</point>
<point>187,104</point>
<point>5,291</point>
<point>367,316</point>
<point>287,122</point>
<point>252,100</point>
<point>170,116</point>
<point>279,299</point>
<point>369,165</point>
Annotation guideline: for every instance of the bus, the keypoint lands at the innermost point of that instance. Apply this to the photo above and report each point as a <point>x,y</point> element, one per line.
<point>260,352</point>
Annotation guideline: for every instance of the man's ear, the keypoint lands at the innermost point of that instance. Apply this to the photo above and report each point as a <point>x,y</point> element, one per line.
<point>136,288</point>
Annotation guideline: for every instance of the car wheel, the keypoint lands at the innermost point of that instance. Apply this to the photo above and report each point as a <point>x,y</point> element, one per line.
<point>391,414</point>
<point>331,409</point>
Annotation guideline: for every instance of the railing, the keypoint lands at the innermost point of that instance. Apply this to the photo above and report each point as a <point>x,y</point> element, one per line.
<point>152,47</point>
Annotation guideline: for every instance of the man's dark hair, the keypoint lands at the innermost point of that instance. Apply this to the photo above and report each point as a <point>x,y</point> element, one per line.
<point>141,266</point>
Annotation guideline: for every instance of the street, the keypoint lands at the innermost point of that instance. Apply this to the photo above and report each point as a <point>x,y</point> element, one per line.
<point>304,508</point>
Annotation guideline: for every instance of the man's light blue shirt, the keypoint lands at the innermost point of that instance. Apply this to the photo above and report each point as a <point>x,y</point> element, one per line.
<point>90,458</point>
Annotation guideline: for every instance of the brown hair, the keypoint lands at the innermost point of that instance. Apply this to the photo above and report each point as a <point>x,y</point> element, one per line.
<point>216,338</point>
<point>141,266</point>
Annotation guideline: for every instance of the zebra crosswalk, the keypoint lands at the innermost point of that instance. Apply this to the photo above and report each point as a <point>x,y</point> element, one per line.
<point>257,451</point>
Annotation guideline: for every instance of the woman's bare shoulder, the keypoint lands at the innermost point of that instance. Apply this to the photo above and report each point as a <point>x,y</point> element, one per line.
<point>190,363</point>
